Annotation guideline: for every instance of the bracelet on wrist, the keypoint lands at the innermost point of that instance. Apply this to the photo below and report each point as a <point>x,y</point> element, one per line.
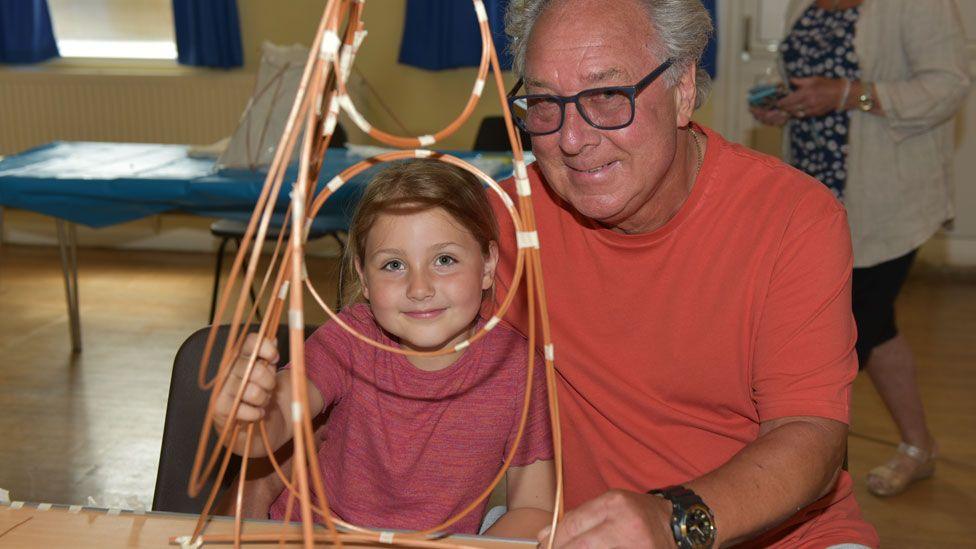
<point>842,106</point>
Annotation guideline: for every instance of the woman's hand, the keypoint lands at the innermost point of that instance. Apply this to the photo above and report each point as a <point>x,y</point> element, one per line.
<point>260,386</point>
<point>813,96</point>
<point>770,117</point>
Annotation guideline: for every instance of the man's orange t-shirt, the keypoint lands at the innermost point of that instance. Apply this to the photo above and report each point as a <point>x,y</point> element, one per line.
<point>672,346</point>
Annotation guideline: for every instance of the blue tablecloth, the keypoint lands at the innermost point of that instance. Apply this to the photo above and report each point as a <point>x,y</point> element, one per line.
<point>102,184</point>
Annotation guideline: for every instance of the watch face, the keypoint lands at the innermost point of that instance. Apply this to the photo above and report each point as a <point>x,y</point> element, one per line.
<point>697,526</point>
<point>865,102</point>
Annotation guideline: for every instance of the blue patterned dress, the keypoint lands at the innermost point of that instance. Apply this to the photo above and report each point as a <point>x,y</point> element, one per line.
<point>821,43</point>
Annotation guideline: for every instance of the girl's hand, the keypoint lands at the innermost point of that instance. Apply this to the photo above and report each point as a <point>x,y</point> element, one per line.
<point>260,387</point>
<point>770,117</point>
<point>813,96</point>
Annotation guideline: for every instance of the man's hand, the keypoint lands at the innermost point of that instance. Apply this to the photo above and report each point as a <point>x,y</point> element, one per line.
<point>616,519</point>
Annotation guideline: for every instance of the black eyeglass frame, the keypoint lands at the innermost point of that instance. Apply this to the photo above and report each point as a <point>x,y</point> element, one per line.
<point>630,91</point>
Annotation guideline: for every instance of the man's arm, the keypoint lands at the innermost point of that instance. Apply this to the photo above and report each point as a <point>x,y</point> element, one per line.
<point>794,462</point>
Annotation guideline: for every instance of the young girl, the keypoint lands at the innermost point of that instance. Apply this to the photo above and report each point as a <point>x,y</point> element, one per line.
<point>410,441</point>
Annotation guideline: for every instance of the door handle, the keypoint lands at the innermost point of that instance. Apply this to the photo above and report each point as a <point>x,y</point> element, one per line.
<point>746,53</point>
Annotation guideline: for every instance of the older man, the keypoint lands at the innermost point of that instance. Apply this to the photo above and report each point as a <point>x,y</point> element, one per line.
<point>699,294</point>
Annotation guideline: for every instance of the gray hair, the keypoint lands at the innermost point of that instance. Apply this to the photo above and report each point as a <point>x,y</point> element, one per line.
<point>683,28</point>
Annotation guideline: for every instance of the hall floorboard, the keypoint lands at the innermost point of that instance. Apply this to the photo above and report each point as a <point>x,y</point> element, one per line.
<point>85,429</point>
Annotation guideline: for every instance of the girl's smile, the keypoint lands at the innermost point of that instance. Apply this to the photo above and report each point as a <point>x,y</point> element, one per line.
<point>425,314</point>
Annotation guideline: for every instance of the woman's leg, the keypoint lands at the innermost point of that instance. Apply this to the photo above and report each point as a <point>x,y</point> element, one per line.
<point>885,354</point>
<point>892,369</point>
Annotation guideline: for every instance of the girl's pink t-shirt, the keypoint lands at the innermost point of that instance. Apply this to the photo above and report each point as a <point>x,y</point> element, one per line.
<point>406,449</point>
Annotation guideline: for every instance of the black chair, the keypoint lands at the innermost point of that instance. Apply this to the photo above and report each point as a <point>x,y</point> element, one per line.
<point>229,229</point>
<point>493,136</point>
<point>185,410</point>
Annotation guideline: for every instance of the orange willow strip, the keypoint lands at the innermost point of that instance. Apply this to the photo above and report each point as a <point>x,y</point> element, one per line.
<point>275,174</point>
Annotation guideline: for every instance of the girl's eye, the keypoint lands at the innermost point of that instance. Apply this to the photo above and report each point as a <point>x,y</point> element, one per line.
<point>393,265</point>
<point>444,260</point>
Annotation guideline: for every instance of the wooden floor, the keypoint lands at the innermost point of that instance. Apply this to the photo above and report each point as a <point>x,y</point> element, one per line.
<point>86,428</point>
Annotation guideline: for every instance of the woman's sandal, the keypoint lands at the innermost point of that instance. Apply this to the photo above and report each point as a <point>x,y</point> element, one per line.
<point>911,464</point>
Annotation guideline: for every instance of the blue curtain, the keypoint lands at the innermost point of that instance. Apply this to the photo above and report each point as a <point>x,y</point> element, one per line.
<point>444,35</point>
<point>26,35</point>
<point>208,33</point>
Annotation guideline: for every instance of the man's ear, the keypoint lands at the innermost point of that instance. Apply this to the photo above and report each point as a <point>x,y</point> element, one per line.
<point>685,94</point>
<point>362,279</point>
<point>491,262</point>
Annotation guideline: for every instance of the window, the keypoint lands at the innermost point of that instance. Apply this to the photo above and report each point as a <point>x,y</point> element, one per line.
<point>122,29</point>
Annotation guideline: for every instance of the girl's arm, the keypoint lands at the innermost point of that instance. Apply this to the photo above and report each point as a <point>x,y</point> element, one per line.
<point>277,414</point>
<point>261,488</point>
<point>531,493</point>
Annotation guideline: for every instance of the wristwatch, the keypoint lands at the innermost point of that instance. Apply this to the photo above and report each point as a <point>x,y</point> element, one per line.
<point>865,101</point>
<point>692,522</point>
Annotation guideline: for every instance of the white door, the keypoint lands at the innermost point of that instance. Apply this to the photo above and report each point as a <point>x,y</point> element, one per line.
<point>749,31</point>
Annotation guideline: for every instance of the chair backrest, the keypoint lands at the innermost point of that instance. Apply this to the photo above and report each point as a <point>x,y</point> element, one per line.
<point>339,138</point>
<point>493,136</point>
<point>185,410</point>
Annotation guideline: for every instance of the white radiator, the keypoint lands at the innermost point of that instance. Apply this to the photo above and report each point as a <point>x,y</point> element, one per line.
<point>185,107</point>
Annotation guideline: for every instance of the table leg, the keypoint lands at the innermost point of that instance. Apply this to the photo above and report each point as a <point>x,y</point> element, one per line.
<point>68,246</point>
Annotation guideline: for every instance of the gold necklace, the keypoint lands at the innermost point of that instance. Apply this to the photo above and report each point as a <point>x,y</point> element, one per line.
<point>698,149</point>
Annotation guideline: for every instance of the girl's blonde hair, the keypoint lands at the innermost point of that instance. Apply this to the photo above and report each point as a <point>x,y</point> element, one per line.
<point>413,186</point>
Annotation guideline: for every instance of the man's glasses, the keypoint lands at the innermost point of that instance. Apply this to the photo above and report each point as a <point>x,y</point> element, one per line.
<point>609,108</point>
